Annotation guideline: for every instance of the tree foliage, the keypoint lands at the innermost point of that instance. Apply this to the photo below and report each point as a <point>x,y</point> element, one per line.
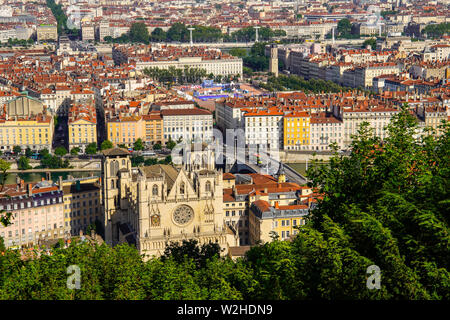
<point>344,27</point>
<point>385,204</point>
<point>23,163</point>
<point>294,82</point>
<point>75,151</point>
<point>437,30</point>
<point>371,42</point>
<point>60,151</point>
<point>139,33</point>
<point>4,167</point>
<point>106,144</point>
<point>176,75</point>
<point>138,145</point>
<point>91,148</point>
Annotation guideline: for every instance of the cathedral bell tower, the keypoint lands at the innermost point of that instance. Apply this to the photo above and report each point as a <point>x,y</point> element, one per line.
<point>115,163</point>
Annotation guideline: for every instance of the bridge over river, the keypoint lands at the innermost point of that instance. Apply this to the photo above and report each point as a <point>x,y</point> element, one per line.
<point>241,162</point>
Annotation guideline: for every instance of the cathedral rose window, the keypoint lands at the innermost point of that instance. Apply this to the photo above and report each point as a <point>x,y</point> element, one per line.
<point>183,214</point>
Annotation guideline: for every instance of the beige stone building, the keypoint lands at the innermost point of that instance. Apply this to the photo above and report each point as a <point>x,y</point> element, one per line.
<point>82,205</point>
<point>47,32</point>
<point>87,32</point>
<point>154,205</point>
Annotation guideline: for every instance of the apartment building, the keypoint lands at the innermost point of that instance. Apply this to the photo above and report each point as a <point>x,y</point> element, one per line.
<point>352,117</point>
<point>187,124</point>
<point>432,116</point>
<point>103,30</point>
<point>241,191</point>
<point>437,52</point>
<point>325,130</point>
<point>88,32</point>
<point>34,132</point>
<point>266,221</point>
<point>154,128</point>
<point>47,32</point>
<point>296,130</point>
<point>125,129</point>
<point>82,124</point>
<point>212,60</point>
<point>362,76</point>
<point>82,205</point>
<point>264,128</point>
<point>37,213</point>
<point>229,115</point>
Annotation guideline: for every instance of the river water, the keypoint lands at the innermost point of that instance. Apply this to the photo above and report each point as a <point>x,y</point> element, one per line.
<point>37,176</point>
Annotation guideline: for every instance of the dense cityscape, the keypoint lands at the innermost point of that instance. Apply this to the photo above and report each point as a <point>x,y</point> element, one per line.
<point>208,150</point>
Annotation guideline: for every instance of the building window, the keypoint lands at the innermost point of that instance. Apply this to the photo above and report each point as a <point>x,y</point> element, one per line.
<point>155,190</point>
<point>182,188</point>
<point>208,186</point>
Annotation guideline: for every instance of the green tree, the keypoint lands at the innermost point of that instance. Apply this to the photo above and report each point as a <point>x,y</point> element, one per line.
<point>17,149</point>
<point>4,167</point>
<point>158,35</point>
<point>344,27</point>
<point>139,32</point>
<point>23,163</point>
<point>28,152</point>
<point>166,160</point>
<point>60,151</point>
<point>138,145</point>
<point>137,161</point>
<point>372,42</point>
<point>150,161</point>
<point>374,202</point>
<point>75,151</point>
<point>106,144</point>
<point>157,146</point>
<point>2,245</point>
<point>178,32</point>
<point>43,152</point>
<point>238,52</point>
<point>91,148</point>
<point>170,144</point>
<point>189,249</point>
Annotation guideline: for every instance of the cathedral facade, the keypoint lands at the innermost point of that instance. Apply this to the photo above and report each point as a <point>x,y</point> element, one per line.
<point>153,205</point>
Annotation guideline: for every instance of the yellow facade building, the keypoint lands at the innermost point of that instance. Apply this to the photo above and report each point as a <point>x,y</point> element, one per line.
<point>281,220</point>
<point>153,128</point>
<point>296,133</point>
<point>82,205</point>
<point>34,132</point>
<point>82,123</point>
<point>24,122</point>
<point>125,129</point>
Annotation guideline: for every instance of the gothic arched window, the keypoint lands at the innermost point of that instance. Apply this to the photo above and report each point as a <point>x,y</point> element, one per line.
<point>208,186</point>
<point>112,184</point>
<point>182,188</point>
<point>155,190</point>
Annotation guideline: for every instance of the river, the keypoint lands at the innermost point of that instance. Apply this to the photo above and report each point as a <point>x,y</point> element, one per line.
<point>35,177</point>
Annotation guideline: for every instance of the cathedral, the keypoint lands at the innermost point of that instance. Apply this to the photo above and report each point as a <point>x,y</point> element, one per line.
<point>151,206</point>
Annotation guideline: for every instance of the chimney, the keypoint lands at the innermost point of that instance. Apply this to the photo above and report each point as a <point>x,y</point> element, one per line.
<point>30,189</point>
<point>60,182</point>
<point>22,184</point>
<point>276,205</point>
